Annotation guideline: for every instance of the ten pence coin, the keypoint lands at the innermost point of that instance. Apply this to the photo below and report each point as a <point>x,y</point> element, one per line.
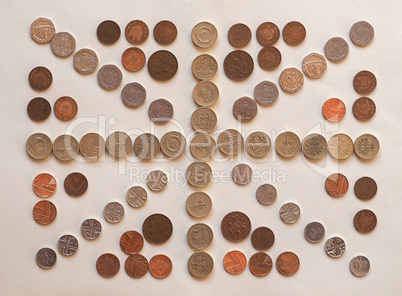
<point>314,232</point>
<point>266,93</point>
<point>365,221</point>
<point>333,110</point>
<point>162,65</point>
<point>157,180</point>
<point>160,111</point>
<point>234,262</point>
<point>136,32</point>
<point>236,226</point>
<point>199,236</point>
<point>267,34</point>
<point>287,144</point>
<point>133,59</point>
<point>366,146</point>
<point>365,188</point>
<point>108,265</point>
<point>146,146</point>
<point>238,65</point>
<point>131,242</point>
<point>198,204</point>
<point>245,109</point>
<point>133,95</point>
<point>42,30</point>
<point>40,78</point>
<point>157,228</point>
<point>266,194</point>
<point>361,33</point>
<point>200,264</point>
<point>92,146</point>
<point>136,196</point>
<point>289,213</point>
<point>67,245</point>
<point>165,32</point>
<point>364,82</point>
<point>85,61</point>
<point>269,58</point>
<point>230,142</point>
<point>205,93</point>
<point>291,80</point>
<point>44,185</point>
<point>260,264</point>
<point>44,212</point>
<point>294,33</point>
<point>62,44</point>
<point>91,228</point>
<point>136,266</point>
<point>239,35</point>
<point>65,147</point>
<point>108,32</point>
<point>314,146</point>
<point>203,119</point>
<point>109,77</point>
<point>173,144</point>
<point>75,184</point>
<point>204,67</point>
<point>364,108</point>
<point>119,144</point>
<point>160,266</point>
<point>359,266</point>
<point>38,109</point>
<point>340,146</point>
<point>38,146</point>
<point>202,146</point>
<point>65,108</point>
<point>199,174</point>
<point>314,65</point>
<point>336,185</point>
<point>242,174</point>
<point>204,34</point>
<point>336,49</point>
<point>46,258</point>
<point>113,212</point>
<point>262,238</point>
<point>287,263</point>
<point>335,247</point>
<point>258,144</point>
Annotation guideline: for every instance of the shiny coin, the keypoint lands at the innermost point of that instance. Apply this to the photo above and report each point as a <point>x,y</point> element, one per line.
<point>160,266</point>
<point>85,61</point>
<point>75,184</point>
<point>366,146</point>
<point>234,262</point>
<point>113,212</point>
<point>199,236</point>
<point>365,221</point>
<point>333,110</point>
<point>336,49</point>
<point>260,264</point>
<point>92,146</point>
<point>136,196</point>
<point>340,146</point>
<point>62,44</point>
<point>242,174</point>
<point>269,58</point>
<point>157,228</point>
<point>133,95</point>
<point>289,213</point>
<point>205,93</point>
<point>44,212</point>
<point>202,146</point>
<point>108,265</point>
<point>364,82</point>
<point>198,204</point>
<point>146,146</point>
<point>204,67</point>
<point>173,144</point>
<point>42,30</point>
<point>119,144</point>
<point>364,108</point>
<point>199,174</point>
<point>314,65</point>
<point>65,108</point>
<point>165,32</point>
<point>267,34</point>
<point>91,228</point>
<point>287,263</point>
<point>108,32</point>
<point>203,120</point>
<point>359,266</point>
<point>230,142</point>
<point>361,33</point>
<point>258,144</point>
<point>239,35</point>
<point>266,93</point>
<point>46,258</point>
<point>162,65</point>
<point>287,144</point>
<point>157,180</point>
<point>133,59</point>
<point>136,266</point>
<point>131,242</point>
<point>109,77</point>
<point>39,146</point>
<point>40,78</point>
<point>44,185</point>
<point>160,111</point>
<point>245,109</point>
<point>65,147</point>
<point>38,109</point>
<point>238,65</point>
<point>314,146</point>
<point>262,238</point>
<point>67,245</point>
<point>335,247</point>
<point>200,264</point>
<point>136,32</point>
<point>294,33</point>
<point>266,194</point>
<point>365,188</point>
<point>236,226</point>
<point>291,80</point>
<point>336,185</point>
<point>204,34</point>
<point>314,232</point>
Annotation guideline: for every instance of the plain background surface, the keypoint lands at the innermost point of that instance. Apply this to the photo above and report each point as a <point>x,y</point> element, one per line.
<point>296,180</point>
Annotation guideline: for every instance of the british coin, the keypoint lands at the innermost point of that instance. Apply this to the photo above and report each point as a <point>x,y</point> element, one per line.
<point>75,184</point>
<point>157,228</point>
<point>65,108</point>
<point>269,58</point>
<point>336,185</point>
<point>42,30</point>
<point>113,212</point>
<point>359,265</point>
<point>239,35</point>
<point>200,264</point>
<point>165,32</point>
<point>160,266</point>
<point>236,226</point>
<point>291,80</point>
<point>205,93</point>
<point>335,247</point>
<point>314,232</point>
<point>230,142</point>
<point>133,95</point>
<point>67,245</point>
<point>92,146</point>
<point>266,194</point>
<point>118,144</point>
<point>258,144</point>
<point>198,174</point>
<point>108,32</point>
<point>136,32</point>
<point>260,264</point>
<point>314,146</point>
<point>44,185</point>
<point>133,59</point>
<point>108,265</point>
<point>65,147</point>
<point>157,180</point>
<point>62,44</point>
<point>202,146</point>
<point>136,196</point>
<point>173,144</point>
<point>146,146</point>
<point>46,258</point>
<point>262,238</point>
<point>289,213</point>
<point>245,109</point>
<point>91,228</point>
<point>294,33</point>
<point>287,263</point>
<point>131,242</point>
<point>234,262</point>
<point>287,144</point>
<point>364,108</point>
<point>267,34</point>
<point>85,61</point>
<point>109,77</point>
<point>39,146</point>
<point>314,65</point>
<point>160,111</point>
<point>242,174</point>
<point>333,110</point>
<point>198,204</point>
<point>365,221</point>
<point>336,49</point>
<point>238,65</point>
<point>136,265</point>
<point>340,146</point>
<point>204,67</point>
<point>366,146</point>
<point>266,93</point>
<point>40,78</point>
<point>199,236</point>
<point>162,65</point>
<point>38,109</point>
<point>44,212</point>
<point>204,34</point>
<point>364,82</point>
<point>361,33</point>
<point>203,119</point>
<point>365,188</point>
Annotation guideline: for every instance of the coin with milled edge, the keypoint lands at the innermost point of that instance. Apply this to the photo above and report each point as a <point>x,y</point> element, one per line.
<point>262,238</point>
<point>333,110</point>
<point>287,144</point>
<point>294,33</point>
<point>38,109</point>
<point>198,204</point>
<point>258,144</point>
<point>203,119</point>
<point>75,184</point>
<point>44,212</point>
<point>361,33</point>
<point>234,262</point>
<point>242,174</point>
<point>230,142</point>
<point>108,265</point>
<point>136,32</point>
<point>40,78</point>
<point>39,146</point>
<point>157,180</point>
<point>162,65</point>
<point>204,34</point>
<point>204,67</point>
<point>62,44</point>
<point>173,144</point>
<point>136,196</point>
<point>118,144</point>
<point>238,65</point>
<point>266,194</point>
<point>160,111</point>
<point>364,82</point>
<point>340,146</point>
<point>133,95</point>
<point>335,247</point>
<point>67,245</point>
<point>136,266</point>
<point>113,212</point>
<point>131,242</point>
<point>289,213</point>
<point>65,108</point>
<point>46,258</point>
<point>336,185</point>
<point>165,32</point>
<point>239,35</point>
<point>364,108</point>
<point>133,59</point>
<point>287,263</point>
<point>199,236</point>
<point>366,146</point>
<point>44,185</point>
<point>160,266</point>
<point>146,146</point>
<point>336,49</point>
<point>267,34</point>
<point>199,174</point>
<point>359,266</point>
<point>85,61</point>
<point>92,146</point>
<point>108,32</point>
<point>205,93</point>
<point>291,80</point>
<point>365,188</point>
<point>200,264</point>
<point>314,146</point>
<point>202,146</point>
<point>42,30</point>
<point>109,77</point>
<point>269,58</point>
<point>266,93</point>
<point>314,65</point>
<point>245,109</point>
<point>365,221</point>
<point>314,232</point>
<point>65,147</point>
<point>157,228</point>
<point>91,228</point>
<point>236,226</point>
<point>260,264</point>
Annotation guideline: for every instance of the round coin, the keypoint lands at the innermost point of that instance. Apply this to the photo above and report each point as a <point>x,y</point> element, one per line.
<point>314,146</point>
<point>136,266</point>
<point>361,33</point>
<point>44,212</point>
<point>245,109</point>
<point>287,144</point>
<point>294,33</point>
<point>242,174</point>
<point>314,232</point>
<point>260,264</point>
<point>136,32</point>
<point>364,82</point>
<point>314,65</point>
<point>236,226</point>
<point>131,242</point>
<point>204,34</point>
<point>75,184</point>
<point>205,93</point>
<point>157,228</point>
<point>365,188</point>
<point>203,119</point>
<point>287,263</point>
<point>289,213</point>
<point>38,146</point>
<point>160,266</point>
<point>38,109</point>
<point>160,111</point>
<point>238,65</point>
<point>230,142</point>
<point>157,180</point>
<point>136,196</point>
<point>162,65</point>
<point>359,266</point>
<point>92,146</point>
<point>199,236</point>
<point>267,34</point>
<point>333,110</point>
<point>366,146</point>
<point>200,264</point>
<point>108,32</point>
<point>62,44</point>
<point>173,144</point>
<point>40,78</point>
<point>340,146</point>
<point>65,108</point>
<point>266,194</point>
<point>91,228</point>
<point>46,258</point>
<point>336,185</point>
<point>133,95</point>
<point>146,146</point>
<point>202,146</point>
<point>239,35</point>
<point>204,67</point>
<point>335,247</point>
<point>365,221</point>
<point>65,147</point>
<point>44,185</point>
<point>109,77</point>
<point>269,58</point>
<point>67,245</point>
<point>291,80</point>
<point>165,32</point>
<point>198,204</point>
<point>266,93</point>
<point>336,49</point>
<point>199,174</point>
<point>42,30</point>
<point>234,262</point>
<point>133,59</point>
<point>258,144</point>
<point>85,61</point>
<point>364,108</point>
<point>108,265</point>
<point>118,144</point>
<point>262,238</point>
<point>113,212</point>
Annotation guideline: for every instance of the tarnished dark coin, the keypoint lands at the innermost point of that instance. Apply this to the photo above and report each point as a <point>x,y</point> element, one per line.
<point>162,65</point>
<point>75,184</point>
<point>157,180</point>
<point>157,228</point>
<point>146,146</point>
<point>260,264</point>
<point>38,109</point>
<point>364,108</point>
<point>359,265</point>
<point>199,236</point>
<point>262,238</point>
<point>160,111</point>
<point>269,58</point>
<point>136,265</point>
<point>336,49</point>
<point>113,212</point>
<point>44,212</point>
<point>85,61</point>
<point>335,247</point>
<point>238,65</point>
<point>204,67</point>
<point>131,242</point>
<point>291,80</point>
<point>340,146</point>
<point>266,194</point>
<point>294,33</point>
<point>44,185</point>
<point>258,144</point>
<point>92,146</point>
<point>287,263</point>
<point>203,119</point>
<point>200,264</point>
<point>42,30</point>
<point>133,59</point>
<point>239,35</point>
<point>46,258</point>
<point>65,147</point>
<point>364,82</point>
<point>173,144</point>
<point>109,77</point>
<point>91,228</point>
<point>38,146</point>
<point>204,34</point>
<point>199,174</point>
<point>336,185</point>
<point>62,44</point>
<point>366,146</point>
<point>40,78</point>
<point>160,266</point>
<point>108,32</point>
<point>314,146</point>
<point>230,142</point>
<point>365,188</point>
<point>266,93</point>
<point>242,174</point>
<point>119,144</point>
<point>245,109</point>
<point>202,146</point>
<point>365,221</point>
<point>287,144</point>
<point>267,34</point>
<point>65,108</point>
<point>67,245</point>
<point>108,265</point>
<point>198,204</point>
<point>136,32</point>
<point>165,32</point>
<point>236,226</point>
<point>136,196</point>
<point>205,93</point>
<point>333,110</point>
<point>314,65</point>
<point>289,213</point>
<point>361,33</point>
<point>234,262</point>
<point>133,95</point>
<point>314,232</point>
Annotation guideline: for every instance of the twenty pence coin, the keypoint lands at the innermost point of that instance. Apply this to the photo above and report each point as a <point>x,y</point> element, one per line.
<point>42,30</point>
<point>291,80</point>
<point>314,65</point>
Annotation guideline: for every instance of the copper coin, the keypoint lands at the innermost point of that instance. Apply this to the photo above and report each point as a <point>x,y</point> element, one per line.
<point>260,264</point>
<point>65,147</point>
<point>109,77</point>
<point>136,32</point>
<point>314,65</point>
<point>269,58</point>
<point>336,185</point>
<point>62,44</point>
<point>67,245</point>
<point>245,109</point>
<point>359,266</point>
<point>236,226</point>
<point>38,146</point>
<point>91,228</point>
<point>230,142</point>
<point>160,266</point>
<point>234,262</point>
<point>146,146</point>
<point>136,265</point>
<point>365,188</point>
<point>44,185</point>
<point>335,247</point>
<point>92,146</point>
<point>287,263</point>
<point>40,78</point>
<point>262,238</point>
<point>65,108</point>
<point>42,30</point>
<point>365,221</point>
<point>165,32</point>
<point>361,33</point>
<point>133,59</point>
<point>85,61</point>
<point>39,109</point>
<point>294,33</point>
<point>157,180</point>
<point>364,82</point>
<point>113,212</point>
<point>108,32</point>
<point>289,213</point>
<point>46,258</point>
<point>266,194</point>
<point>133,95</point>
<point>131,242</point>
<point>160,111</point>
<point>364,108</point>
<point>162,65</point>
<point>333,110</point>
<point>136,196</point>
<point>314,232</point>
<point>366,146</point>
<point>157,228</point>
<point>239,35</point>
<point>238,65</point>
<point>108,265</point>
<point>75,184</point>
<point>44,212</point>
<point>267,34</point>
<point>200,264</point>
<point>242,174</point>
<point>336,49</point>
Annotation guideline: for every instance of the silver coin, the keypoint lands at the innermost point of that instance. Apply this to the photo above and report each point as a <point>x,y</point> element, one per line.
<point>242,174</point>
<point>157,180</point>
<point>113,212</point>
<point>85,61</point>
<point>65,147</point>
<point>119,144</point>
<point>205,93</point>
<point>266,93</point>
<point>335,247</point>
<point>199,236</point>
<point>67,245</point>
<point>46,258</point>
<point>39,146</point>
<point>336,49</point>
<point>359,265</point>
<point>314,146</point>
<point>133,95</point>
<point>266,194</point>
<point>109,77</point>
<point>314,65</point>
<point>62,44</point>
<point>91,228</point>
<point>198,204</point>
<point>361,33</point>
<point>160,111</point>
<point>289,213</point>
<point>136,196</point>
<point>42,30</point>
<point>314,232</point>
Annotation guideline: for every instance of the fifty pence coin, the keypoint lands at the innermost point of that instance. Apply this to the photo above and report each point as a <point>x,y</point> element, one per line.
<point>199,174</point>
<point>157,180</point>
<point>108,265</point>
<point>157,228</point>
<point>333,110</point>
<point>230,142</point>
<point>113,212</point>
<point>266,93</point>
<point>136,32</point>
<point>234,262</point>
<point>131,242</point>
<point>109,77</point>
<point>200,264</point>
<point>204,67</point>
<point>267,34</point>
<point>314,232</point>
<point>38,109</point>
<point>165,32</point>
<point>162,65</point>
<point>203,119</point>
<point>260,264</point>
<point>202,146</point>
<point>287,144</point>
<point>238,65</point>
<point>119,144</point>
<point>65,147</point>
<point>136,196</point>
<point>291,80</point>
<point>336,49</point>
<point>199,236</point>
<point>287,263</point>
<point>133,95</point>
<point>336,185</point>
<point>40,78</point>
<point>44,212</point>
<point>245,109</point>
<point>39,146</point>
<point>62,44</point>
<point>67,245</point>
<point>366,146</point>
<point>160,111</point>
<point>239,35</point>
<point>359,265</point>
<point>108,32</point>
<point>365,188</point>
<point>160,266</point>
<point>335,247</point>
<point>236,226</point>
<point>242,174</point>
<point>205,93</point>
<point>289,213</point>
<point>314,146</point>
<point>46,258</point>
<point>294,33</point>
<point>340,146</point>
<point>361,33</point>
<point>365,221</point>
<point>204,34</point>
<point>44,185</point>
<point>198,204</point>
<point>258,144</point>
<point>314,65</point>
<point>364,108</point>
<point>85,61</point>
<point>262,238</point>
<point>92,146</point>
<point>146,146</point>
<point>173,144</point>
<point>42,30</point>
<point>65,108</point>
<point>91,228</point>
<point>266,194</point>
<point>364,82</point>
<point>75,184</point>
<point>136,265</point>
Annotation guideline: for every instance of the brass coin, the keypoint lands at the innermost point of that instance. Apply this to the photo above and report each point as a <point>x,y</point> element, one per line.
<point>92,146</point>
<point>200,264</point>
<point>269,58</point>
<point>160,111</point>
<point>359,266</point>
<point>162,65</point>
<point>242,174</point>
<point>85,61</point>
<point>157,180</point>
<point>108,265</point>
<point>205,93</point>
<point>65,147</point>
<point>335,247</point>
<point>314,146</point>
<point>245,109</point>
<point>157,229</point>
<point>364,108</point>
<point>258,144</point>
<point>340,146</point>
<point>365,221</point>
<point>361,33</point>
<point>38,109</point>
<point>314,65</point>
<point>365,188</point>
<point>39,146</point>
<point>366,146</point>
<point>136,196</point>
<point>314,232</point>
<point>336,49</point>
<point>287,144</point>
<point>118,144</point>
<point>199,236</point>
<point>230,142</point>
<point>62,44</point>
<point>203,120</point>
<point>294,33</point>
<point>204,34</point>
<point>236,226</point>
<point>199,204</point>
<point>202,146</point>
<point>204,67</point>
<point>42,30</point>
<point>198,174</point>
<point>46,258</point>
<point>267,34</point>
<point>238,65</point>
<point>146,146</point>
<point>291,80</point>
<point>113,212</point>
<point>266,194</point>
<point>173,144</point>
<point>289,213</point>
<point>239,35</point>
<point>165,32</point>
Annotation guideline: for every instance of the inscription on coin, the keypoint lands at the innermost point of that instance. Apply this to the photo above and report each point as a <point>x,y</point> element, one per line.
<point>38,109</point>
<point>266,194</point>
<point>364,82</point>
<point>65,108</point>
<point>262,238</point>
<point>238,65</point>
<point>291,80</point>
<point>336,49</point>
<point>242,174</point>
<point>157,228</point>
<point>38,146</point>
<point>258,144</point>
<point>198,204</point>
<point>162,65</point>
<point>131,242</point>
<point>109,77</point>
<point>335,247</point>
<point>173,144</point>
<point>204,67</point>
<point>65,147</point>
<point>364,108</point>
<point>365,221</point>
<point>361,33</point>
<point>260,264</point>
<point>160,111</point>
<point>42,30</point>
<point>67,245</point>
<point>113,212</point>
<point>92,146</point>
<point>314,232</point>
<point>136,32</point>
<point>287,263</point>
<point>136,196</point>
<point>203,120</point>
<point>46,258</point>
<point>266,93</point>
<point>314,65</point>
<point>287,144</point>
<point>118,144</point>
<point>245,109</point>
<point>314,146</point>
<point>160,266</point>
<point>239,35</point>
<point>200,264</point>
<point>365,188</point>
<point>289,213</point>
<point>236,226</point>
<point>133,95</point>
<point>85,61</point>
<point>336,185</point>
<point>133,59</point>
<point>359,266</point>
<point>230,142</point>
<point>199,174</point>
<point>91,228</point>
<point>340,146</point>
<point>294,33</point>
<point>199,236</point>
<point>146,146</point>
<point>62,44</point>
<point>108,265</point>
<point>204,34</point>
<point>40,78</point>
<point>366,146</point>
<point>44,212</point>
<point>205,93</point>
<point>202,146</point>
<point>44,185</point>
<point>267,34</point>
<point>157,180</point>
<point>269,58</point>
<point>234,262</point>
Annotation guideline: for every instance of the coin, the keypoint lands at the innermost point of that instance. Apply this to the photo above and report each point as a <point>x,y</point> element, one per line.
<point>359,266</point>
<point>333,110</point>
<point>266,194</point>
<point>238,65</point>
<point>199,236</point>
<point>269,58</point>
<point>267,34</point>
<point>336,49</point>
<point>204,34</point>
<point>62,44</point>
<point>205,93</point>
<point>131,242</point>
<point>42,30</point>
<point>65,147</point>
<point>262,238</point>
<point>203,119</point>
<point>365,221</point>
<point>160,266</point>
<point>242,174</point>
<point>85,61</point>
<point>44,212</point>
<point>44,185</point>
<point>92,146</point>
<point>136,265</point>
<point>91,228</point>
<point>266,93</point>
<point>314,65</point>
<point>365,188</point>
<point>200,264</point>
<point>67,245</point>
<point>108,265</point>
<point>314,146</point>
<point>230,142</point>
<point>239,35</point>
<point>38,109</point>
<point>314,232</point>
<point>260,264</point>
<point>364,108</point>
<point>133,59</point>
<point>75,184</point>
<point>146,146</point>
<point>289,213</point>
<point>294,33</point>
<point>39,146</point>
<point>244,109</point>
<point>165,32</point>
<point>173,144</point>
<point>202,146</point>
<point>364,82</point>
<point>109,77</point>
<point>204,67</point>
<point>234,262</point>
<point>160,111</point>
<point>361,33</point>
<point>287,263</point>
<point>236,226</point>
<point>157,180</point>
<point>65,108</point>
<point>366,146</point>
<point>335,247</point>
<point>336,185</point>
<point>157,228</point>
<point>108,32</point>
<point>118,144</point>
<point>258,144</point>
<point>113,212</point>
<point>199,174</point>
<point>133,95</point>
<point>136,32</point>
<point>340,146</point>
<point>40,78</point>
<point>287,144</point>
<point>198,204</point>
<point>162,65</point>
<point>291,80</point>
<point>46,258</point>
<point>136,196</point>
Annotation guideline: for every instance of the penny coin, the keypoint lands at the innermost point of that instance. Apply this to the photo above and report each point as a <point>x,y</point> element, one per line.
<point>260,264</point>
<point>366,146</point>
<point>198,204</point>
<point>108,32</point>
<point>294,33</point>
<point>361,33</point>
<point>266,93</point>
<point>67,245</point>
<point>200,264</point>
<point>199,236</point>
<point>85,61</point>
<point>364,82</point>
<point>291,80</point>
<point>289,213</point>
<point>108,265</point>
<point>136,265</point>
<point>340,146</point>
<point>267,34</point>
<point>40,78</point>
<point>136,196</point>
<point>131,242</point>
<point>314,146</point>
<point>160,111</point>
<point>39,146</point>
<point>287,263</point>
<point>157,180</point>
<point>165,32</point>
<point>204,67</point>
<point>91,228</point>
<point>92,146</point>
<point>230,142</point>
<point>269,58</point>
<point>202,146</point>
<point>245,109</point>
<point>236,226</point>
<point>336,185</point>
<point>242,174</point>
<point>136,32</point>
<point>266,194</point>
<point>109,77</point>
<point>364,108</point>
<point>44,212</point>
<point>38,109</point>
<point>146,146</point>
<point>287,144</point>
<point>75,184</point>
<point>359,266</point>
<point>262,238</point>
<point>173,144</point>
<point>258,144</point>
<point>157,228</point>
<point>133,59</point>
<point>365,188</point>
<point>119,144</point>
<point>199,174</point>
<point>133,95</point>
<point>160,266</point>
<point>234,262</point>
<point>239,35</point>
<point>238,65</point>
<point>46,258</point>
<point>314,65</point>
<point>65,147</point>
<point>113,212</point>
<point>204,34</point>
<point>365,221</point>
<point>314,232</point>
<point>42,30</point>
<point>65,108</point>
<point>62,44</point>
<point>336,49</point>
<point>334,110</point>
<point>162,65</point>
<point>205,93</point>
<point>203,119</point>
<point>44,185</point>
<point>335,247</point>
